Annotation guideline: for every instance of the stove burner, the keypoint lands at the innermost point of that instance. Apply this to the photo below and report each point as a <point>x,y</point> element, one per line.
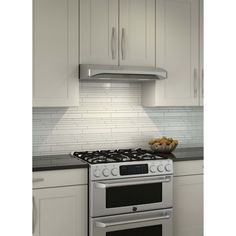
<point>120,155</point>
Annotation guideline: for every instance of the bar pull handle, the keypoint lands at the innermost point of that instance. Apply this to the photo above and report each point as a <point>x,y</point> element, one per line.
<point>202,83</point>
<point>125,222</point>
<point>113,35</point>
<point>101,185</point>
<point>38,180</point>
<point>33,215</point>
<point>123,44</point>
<point>195,82</point>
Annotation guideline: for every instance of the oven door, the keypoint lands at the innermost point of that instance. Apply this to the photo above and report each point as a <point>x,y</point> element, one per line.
<point>130,195</point>
<point>153,223</point>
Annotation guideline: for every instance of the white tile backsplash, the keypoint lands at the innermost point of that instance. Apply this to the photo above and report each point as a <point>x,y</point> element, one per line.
<point>110,116</point>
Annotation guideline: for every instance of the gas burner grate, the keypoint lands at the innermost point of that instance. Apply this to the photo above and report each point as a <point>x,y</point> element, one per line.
<point>119,155</point>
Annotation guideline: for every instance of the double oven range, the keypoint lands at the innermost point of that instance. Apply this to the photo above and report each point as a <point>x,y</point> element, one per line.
<point>130,193</point>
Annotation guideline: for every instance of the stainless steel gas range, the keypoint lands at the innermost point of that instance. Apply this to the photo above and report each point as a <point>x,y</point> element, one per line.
<point>130,193</point>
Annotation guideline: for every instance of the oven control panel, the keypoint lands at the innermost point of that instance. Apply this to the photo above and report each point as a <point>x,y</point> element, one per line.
<point>135,169</point>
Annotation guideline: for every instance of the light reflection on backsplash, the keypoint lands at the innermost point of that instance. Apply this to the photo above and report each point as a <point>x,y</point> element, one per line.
<point>109,117</point>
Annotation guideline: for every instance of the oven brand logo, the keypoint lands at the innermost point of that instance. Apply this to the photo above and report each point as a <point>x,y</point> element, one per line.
<point>134,208</point>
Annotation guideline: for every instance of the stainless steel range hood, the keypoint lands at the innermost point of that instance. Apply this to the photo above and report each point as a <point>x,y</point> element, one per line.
<point>90,72</point>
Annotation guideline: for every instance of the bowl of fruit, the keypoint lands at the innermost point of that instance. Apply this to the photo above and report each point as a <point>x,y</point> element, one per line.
<point>163,144</point>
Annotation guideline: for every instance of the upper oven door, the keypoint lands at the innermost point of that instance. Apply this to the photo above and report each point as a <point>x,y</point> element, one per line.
<point>151,223</point>
<point>130,195</point>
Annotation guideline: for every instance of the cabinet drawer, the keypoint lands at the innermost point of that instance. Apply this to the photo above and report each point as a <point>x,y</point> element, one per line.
<point>44,179</point>
<point>188,168</point>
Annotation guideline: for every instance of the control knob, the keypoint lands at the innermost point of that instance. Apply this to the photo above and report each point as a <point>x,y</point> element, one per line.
<point>97,173</point>
<point>106,172</point>
<point>114,172</point>
<point>160,168</point>
<point>153,168</point>
<point>168,167</point>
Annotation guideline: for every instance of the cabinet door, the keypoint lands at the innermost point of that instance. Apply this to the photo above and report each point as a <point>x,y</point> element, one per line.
<point>188,205</point>
<point>55,48</point>
<point>60,211</point>
<point>137,32</point>
<point>178,52</point>
<point>99,32</point>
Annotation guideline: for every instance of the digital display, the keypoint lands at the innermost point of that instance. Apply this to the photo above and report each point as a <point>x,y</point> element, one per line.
<point>134,169</point>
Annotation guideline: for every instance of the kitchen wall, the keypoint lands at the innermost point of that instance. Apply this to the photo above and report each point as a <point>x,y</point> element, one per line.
<point>110,116</point>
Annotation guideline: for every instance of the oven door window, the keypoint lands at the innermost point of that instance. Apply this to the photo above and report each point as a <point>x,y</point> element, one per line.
<point>149,230</point>
<point>133,195</point>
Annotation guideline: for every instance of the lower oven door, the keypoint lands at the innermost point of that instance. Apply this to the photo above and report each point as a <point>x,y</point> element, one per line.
<point>152,223</point>
<point>130,195</point>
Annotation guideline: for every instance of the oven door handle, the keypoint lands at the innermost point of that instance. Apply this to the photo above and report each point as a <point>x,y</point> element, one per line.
<point>130,183</point>
<point>101,224</point>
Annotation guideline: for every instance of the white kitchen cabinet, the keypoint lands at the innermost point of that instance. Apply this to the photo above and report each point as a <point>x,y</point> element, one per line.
<point>137,32</point>
<point>60,210</point>
<point>99,32</point>
<point>188,205</point>
<point>188,199</point>
<point>117,32</point>
<point>55,53</point>
<point>178,52</point>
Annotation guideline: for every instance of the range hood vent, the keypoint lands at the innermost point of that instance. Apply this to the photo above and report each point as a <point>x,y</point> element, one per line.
<point>120,73</point>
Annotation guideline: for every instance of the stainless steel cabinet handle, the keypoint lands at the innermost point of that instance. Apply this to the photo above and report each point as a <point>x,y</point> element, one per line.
<point>33,216</point>
<point>123,44</point>
<point>105,225</point>
<point>113,35</point>
<point>195,83</point>
<point>202,83</point>
<point>38,180</point>
<point>121,184</point>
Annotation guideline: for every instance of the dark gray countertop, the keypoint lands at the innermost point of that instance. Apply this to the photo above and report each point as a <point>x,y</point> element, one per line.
<point>186,154</point>
<point>65,161</point>
<point>57,162</point>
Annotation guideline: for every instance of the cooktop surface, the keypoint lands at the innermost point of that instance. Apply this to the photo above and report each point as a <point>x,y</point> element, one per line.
<point>120,155</point>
